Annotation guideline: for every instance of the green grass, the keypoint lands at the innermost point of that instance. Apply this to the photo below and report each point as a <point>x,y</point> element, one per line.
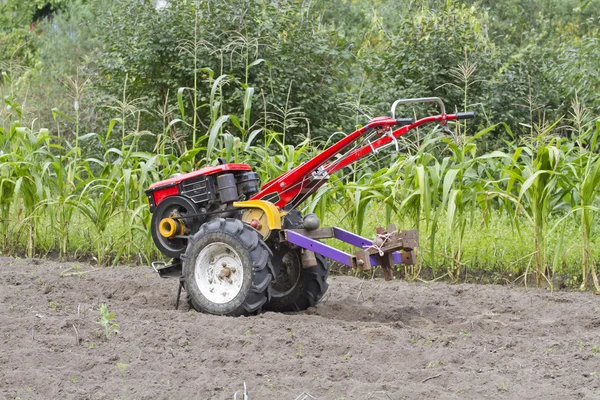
<point>135,246</point>
<point>495,249</point>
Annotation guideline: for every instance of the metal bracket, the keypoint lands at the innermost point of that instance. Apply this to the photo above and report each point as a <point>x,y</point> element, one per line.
<point>373,149</point>
<point>447,130</point>
<point>320,173</point>
<point>321,233</point>
<point>155,265</point>
<point>172,270</point>
<point>179,293</point>
<point>394,140</point>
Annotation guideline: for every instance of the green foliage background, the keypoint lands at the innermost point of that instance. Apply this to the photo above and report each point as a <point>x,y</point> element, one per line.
<point>521,62</point>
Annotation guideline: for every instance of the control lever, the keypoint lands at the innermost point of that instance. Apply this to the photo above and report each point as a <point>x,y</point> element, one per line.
<point>404,121</point>
<point>363,113</point>
<point>448,131</point>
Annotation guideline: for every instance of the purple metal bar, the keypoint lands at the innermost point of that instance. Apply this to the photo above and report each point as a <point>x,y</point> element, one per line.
<point>351,238</point>
<point>361,242</point>
<point>320,248</point>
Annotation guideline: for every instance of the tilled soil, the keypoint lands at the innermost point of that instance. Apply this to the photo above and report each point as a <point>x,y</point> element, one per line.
<point>368,339</point>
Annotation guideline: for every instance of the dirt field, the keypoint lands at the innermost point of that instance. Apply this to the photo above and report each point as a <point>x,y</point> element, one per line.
<point>367,340</point>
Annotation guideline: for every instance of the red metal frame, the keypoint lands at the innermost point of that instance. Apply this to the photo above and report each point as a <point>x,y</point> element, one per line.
<point>288,186</point>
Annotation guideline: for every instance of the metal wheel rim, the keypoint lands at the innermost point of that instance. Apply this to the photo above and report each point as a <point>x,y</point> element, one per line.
<point>219,273</point>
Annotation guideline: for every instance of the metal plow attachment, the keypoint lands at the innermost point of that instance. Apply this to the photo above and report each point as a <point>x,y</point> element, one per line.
<point>389,247</point>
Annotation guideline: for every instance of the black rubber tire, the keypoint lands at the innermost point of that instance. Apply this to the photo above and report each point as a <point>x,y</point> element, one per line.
<point>254,255</point>
<point>307,291</point>
<point>173,248</point>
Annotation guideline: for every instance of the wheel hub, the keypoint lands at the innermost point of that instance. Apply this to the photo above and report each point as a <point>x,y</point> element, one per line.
<point>225,271</point>
<point>219,272</point>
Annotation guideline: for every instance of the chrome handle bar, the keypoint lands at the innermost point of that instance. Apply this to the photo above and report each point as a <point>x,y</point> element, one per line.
<point>419,100</point>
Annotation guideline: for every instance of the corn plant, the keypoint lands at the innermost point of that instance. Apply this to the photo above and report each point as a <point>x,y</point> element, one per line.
<point>463,185</point>
<point>585,169</point>
<point>534,188</point>
<point>64,173</point>
<point>23,183</point>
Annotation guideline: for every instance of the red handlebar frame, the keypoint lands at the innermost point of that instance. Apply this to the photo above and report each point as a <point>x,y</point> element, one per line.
<point>285,188</point>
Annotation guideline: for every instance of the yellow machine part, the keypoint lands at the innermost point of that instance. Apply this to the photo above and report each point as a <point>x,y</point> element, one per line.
<point>168,227</point>
<point>266,213</point>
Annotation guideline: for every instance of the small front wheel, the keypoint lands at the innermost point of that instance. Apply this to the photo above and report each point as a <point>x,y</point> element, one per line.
<point>227,269</point>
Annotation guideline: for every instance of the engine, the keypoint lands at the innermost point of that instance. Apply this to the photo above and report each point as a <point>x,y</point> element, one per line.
<point>182,203</point>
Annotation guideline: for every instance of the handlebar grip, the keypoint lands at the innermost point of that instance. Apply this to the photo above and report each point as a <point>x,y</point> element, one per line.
<point>404,121</point>
<point>465,115</point>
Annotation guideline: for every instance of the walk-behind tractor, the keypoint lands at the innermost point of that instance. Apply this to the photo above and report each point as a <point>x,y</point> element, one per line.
<point>239,248</point>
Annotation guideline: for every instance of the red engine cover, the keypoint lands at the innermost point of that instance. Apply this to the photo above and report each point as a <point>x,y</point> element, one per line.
<point>169,187</point>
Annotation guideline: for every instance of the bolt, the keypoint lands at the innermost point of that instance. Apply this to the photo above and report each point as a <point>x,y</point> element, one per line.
<point>224,264</point>
<point>210,281</point>
<point>229,281</point>
<point>256,224</point>
<point>233,269</point>
<point>225,272</point>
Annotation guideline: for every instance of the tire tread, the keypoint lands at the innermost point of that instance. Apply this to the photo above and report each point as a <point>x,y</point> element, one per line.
<point>260,258</point>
